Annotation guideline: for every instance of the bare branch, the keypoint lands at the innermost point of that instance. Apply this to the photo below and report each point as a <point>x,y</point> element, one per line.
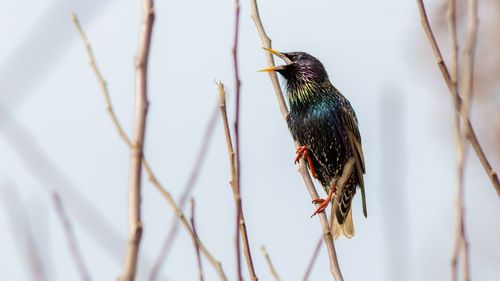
<point>273,271</point>
<point>234,174</point>
<point>461,133</point>
<point>157,184</point>
<point>137,148</point>
<point>463,130</point>
<point>20,227</point>
<point>240,221</point>
<point>459,141</point>
<point>452,24</point>
<point>70,236</point>
<point>313,260</point>
<point>266,41</point>
<point>340,187</point>
<point>170,200</point>
<point>193,178</point>
<point>327,235</point>
<point>102,82</point>
<point>469,59</point>
<point>196,245</point>
<point>471,135</point>
<point>43,168</point>
<point>51,177</point>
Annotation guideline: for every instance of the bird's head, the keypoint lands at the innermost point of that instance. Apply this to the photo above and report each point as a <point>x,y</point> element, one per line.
<point>305,75</point>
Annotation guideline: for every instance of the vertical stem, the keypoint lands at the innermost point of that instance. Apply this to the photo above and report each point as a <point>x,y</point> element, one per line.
<point>191,183</point>
<point>236,155</point>
<point>232,159</point>
<point>467,84</point>
<point>313,260</point>
<point>137,149</point>
<point>70,236</point>
<point>240,220</point>
<point>457,100</point>
<point>195,242</point>
<point>327,235</point>
<point>149,171</point>
<point>452,24</point>
<point>273,271</point>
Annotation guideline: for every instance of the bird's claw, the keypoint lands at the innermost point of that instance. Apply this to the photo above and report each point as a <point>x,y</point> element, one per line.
<point>318,201</point>
<point>323,204</point>
<point>303,152</point>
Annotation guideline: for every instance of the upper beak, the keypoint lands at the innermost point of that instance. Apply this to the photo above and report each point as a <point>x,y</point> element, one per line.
<point>280,55</point>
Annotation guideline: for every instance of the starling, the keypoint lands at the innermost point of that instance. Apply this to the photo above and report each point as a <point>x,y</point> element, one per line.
<point>324,124</point>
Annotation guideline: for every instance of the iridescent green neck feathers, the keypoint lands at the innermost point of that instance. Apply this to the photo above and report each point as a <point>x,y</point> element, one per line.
<point>306,80</point>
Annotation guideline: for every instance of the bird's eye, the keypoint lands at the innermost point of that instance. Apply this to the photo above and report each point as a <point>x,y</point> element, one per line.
<point>291,57</point>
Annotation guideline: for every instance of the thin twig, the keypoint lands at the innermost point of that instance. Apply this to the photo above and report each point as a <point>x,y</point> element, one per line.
<point>195,243</point>
<point>459,141</point>
<point>213,261</point>
<point>137,148</point>
<point>313,260</point>
<point>452,24</point>
<point>20,227</point>
<point>70,237</point>
<point>237,199</point>
<point>102,82</point>
<point>191,183</point>
<point>471,135</point>
<point>327,235</point>
<point>467,80</point>
<point>469,60</point>
<point>154,180</point>
<point>340,187</point>
<point>240,222</point>
<point>468,87</point>
<point>462,130</point>
<point>273,271</point>
<point>266,41</point>
<point>45,169</point>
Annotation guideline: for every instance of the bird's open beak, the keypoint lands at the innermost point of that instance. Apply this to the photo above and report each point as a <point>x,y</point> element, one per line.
<point>280,55</point>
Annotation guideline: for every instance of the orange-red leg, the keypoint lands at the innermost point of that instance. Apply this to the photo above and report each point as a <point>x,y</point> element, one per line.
<point>324,202</point>
<point>303,152</point>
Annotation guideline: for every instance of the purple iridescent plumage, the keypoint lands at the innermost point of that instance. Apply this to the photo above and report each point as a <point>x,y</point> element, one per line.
<point>323,120</point>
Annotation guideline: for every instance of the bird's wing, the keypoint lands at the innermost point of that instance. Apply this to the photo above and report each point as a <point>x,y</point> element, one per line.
<point>354,138</point>
<point>360,167</point>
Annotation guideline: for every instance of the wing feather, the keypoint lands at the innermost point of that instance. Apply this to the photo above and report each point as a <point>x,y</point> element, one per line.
<point>354,138</point>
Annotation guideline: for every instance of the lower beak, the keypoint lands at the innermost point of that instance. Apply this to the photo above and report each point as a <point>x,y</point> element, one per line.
<point>273,68</point>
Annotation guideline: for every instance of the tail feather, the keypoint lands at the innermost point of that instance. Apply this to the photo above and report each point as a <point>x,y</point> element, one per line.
<point>345,229</point>
<point>345,200</point>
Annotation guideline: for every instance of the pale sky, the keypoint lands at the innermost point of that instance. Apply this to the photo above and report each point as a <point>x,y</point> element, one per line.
<point>375,53</point>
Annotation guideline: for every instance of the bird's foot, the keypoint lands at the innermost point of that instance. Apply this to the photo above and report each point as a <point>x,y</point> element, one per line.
<point>323,202</point>
<point>303,152</point>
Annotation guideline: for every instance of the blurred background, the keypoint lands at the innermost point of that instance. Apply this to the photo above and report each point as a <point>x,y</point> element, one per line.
<point>55,135</point>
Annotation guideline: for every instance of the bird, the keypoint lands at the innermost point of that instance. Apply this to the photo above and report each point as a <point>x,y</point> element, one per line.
<point>325,126</point>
